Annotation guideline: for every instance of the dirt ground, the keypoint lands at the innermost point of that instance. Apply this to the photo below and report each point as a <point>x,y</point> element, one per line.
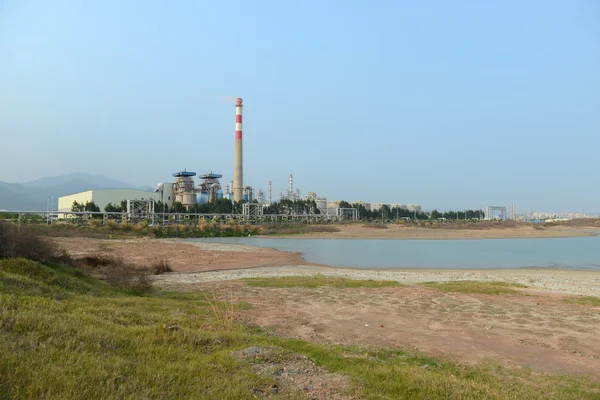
<point>493,232</point>
<point>183,257</point>
<point>533,329</point>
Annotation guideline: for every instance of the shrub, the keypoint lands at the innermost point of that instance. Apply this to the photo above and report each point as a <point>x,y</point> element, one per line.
<point>161,267</point>
<point>17,241</point>
<point>126,276</point>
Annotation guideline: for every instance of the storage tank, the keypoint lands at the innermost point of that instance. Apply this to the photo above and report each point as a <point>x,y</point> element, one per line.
<point>179,198</point>
<point>333,204</point>
<point>321,204</point>
<point>189,199</point>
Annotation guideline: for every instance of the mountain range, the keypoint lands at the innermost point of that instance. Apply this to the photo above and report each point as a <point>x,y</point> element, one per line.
<point>34,195</point>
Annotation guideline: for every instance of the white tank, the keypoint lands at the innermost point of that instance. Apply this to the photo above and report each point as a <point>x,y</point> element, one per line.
<point>189,199</point>
<point>321,204</point>
<point>333,204</point>
<point>179,198</point>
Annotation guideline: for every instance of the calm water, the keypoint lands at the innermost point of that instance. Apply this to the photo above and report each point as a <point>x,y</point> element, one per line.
<point>569,253</point>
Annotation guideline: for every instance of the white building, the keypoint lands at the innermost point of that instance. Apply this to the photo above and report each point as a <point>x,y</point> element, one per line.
<point>102,197</point>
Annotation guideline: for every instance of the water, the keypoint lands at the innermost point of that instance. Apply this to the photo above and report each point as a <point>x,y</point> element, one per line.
<point>567,253</point>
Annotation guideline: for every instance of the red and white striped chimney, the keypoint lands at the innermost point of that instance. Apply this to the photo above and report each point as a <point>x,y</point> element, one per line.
<point>238,169</point>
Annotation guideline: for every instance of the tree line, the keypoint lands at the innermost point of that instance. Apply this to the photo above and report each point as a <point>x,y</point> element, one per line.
<point>289,207</point>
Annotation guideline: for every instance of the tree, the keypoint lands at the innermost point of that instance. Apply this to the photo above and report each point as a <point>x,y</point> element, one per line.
<point>435,214</point>
<point>113,208</point>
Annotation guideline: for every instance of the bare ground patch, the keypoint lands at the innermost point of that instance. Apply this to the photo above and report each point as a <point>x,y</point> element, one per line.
<point>537,331</point>
<point>296,375</point>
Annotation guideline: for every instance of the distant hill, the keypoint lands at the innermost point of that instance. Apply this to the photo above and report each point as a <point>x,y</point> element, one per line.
<point>33,196</point>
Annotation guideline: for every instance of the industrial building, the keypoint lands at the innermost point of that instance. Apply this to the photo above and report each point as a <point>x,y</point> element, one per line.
<point>101,197</point>
<point>183,190</point>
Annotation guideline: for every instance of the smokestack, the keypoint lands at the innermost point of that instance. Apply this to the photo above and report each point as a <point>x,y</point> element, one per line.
<point>269,192</point>
<point>238,168</point>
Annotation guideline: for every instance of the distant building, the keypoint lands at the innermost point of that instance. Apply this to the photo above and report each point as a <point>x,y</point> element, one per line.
<point>101,197</point>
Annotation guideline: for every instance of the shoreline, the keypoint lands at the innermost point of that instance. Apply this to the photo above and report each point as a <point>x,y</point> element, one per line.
<point>398,232</point>
<point>571,282</point>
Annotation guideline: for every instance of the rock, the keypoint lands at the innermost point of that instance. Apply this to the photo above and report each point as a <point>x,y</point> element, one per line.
<point>252,351</point>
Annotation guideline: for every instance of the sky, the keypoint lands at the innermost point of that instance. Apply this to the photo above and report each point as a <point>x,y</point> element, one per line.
<point>448,104</point>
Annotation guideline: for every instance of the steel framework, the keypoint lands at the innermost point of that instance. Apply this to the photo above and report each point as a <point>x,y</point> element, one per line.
<point>490,211</point>
<point>347,213</point>
<point>138,210</point>
<point>252,209</point>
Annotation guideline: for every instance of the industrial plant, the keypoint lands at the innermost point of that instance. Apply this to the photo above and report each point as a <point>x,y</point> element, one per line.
<point>184,190</point>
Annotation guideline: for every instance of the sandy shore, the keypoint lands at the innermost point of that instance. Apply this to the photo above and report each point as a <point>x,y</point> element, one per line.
<point>181,256</point>
<point>360,231</point>
<point>209,262</point>
<point>585,283</point>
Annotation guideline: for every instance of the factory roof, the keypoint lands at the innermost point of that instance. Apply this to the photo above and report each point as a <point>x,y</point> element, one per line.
<point>183,173</point>
<point>210,175</point>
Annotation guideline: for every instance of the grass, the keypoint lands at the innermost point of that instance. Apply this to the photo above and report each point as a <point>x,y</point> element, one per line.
<point>317,281</point>
<point>65,335</point>
<point>584,300</point>
<point>493,287</point>
<point>277,229</point>
<point>375,225</point>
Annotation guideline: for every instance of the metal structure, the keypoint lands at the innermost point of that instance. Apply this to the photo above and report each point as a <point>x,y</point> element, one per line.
<point>248,193</point>
<point>238,168</point>
<point>138,210</point>
<point>489,215</point>
<point>269,192</point>
<point>252,209</point>
<point>290,194</point>
<point>183,189</point>
<point>260,196</point>
<point>347,213</point>
<point>210,187</point>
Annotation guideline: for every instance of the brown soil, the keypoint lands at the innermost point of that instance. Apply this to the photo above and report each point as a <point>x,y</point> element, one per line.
<point>537,330</point>
<point>182,257</point>
<point>296,375</point>
<point>491,231</point>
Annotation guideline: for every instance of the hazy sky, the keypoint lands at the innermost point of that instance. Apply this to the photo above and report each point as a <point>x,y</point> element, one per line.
<point>449,104</point>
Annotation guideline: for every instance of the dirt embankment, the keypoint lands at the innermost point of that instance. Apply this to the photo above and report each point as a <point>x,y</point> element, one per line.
<point>462,231</point>
<point>182,257</point>
<point>537,330</point>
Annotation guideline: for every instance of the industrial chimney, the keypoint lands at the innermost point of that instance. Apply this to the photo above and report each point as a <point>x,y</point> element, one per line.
<point>238,169</point>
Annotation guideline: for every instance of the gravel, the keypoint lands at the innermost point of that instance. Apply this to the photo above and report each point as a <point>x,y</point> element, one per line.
<point>585,283</point>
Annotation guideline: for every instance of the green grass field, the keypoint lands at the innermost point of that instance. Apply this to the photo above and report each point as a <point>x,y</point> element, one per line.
<point>316,281</point>
<point>65,335</point>
<point>476,287</point>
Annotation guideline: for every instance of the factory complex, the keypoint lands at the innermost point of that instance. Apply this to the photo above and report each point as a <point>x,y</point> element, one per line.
<point>183,189</point>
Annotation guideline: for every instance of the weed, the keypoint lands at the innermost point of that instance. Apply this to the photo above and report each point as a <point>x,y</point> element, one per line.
<point>476,287</point>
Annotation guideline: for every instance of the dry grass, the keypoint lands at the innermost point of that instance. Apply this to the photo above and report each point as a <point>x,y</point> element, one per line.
<point>317,281</point>
<point>375,225</point>
<point>494,287</point>
<point>161,267</point>
<point>294,230</point>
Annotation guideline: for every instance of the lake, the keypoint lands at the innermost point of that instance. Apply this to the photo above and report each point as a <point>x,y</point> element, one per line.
<point>567,253</point>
